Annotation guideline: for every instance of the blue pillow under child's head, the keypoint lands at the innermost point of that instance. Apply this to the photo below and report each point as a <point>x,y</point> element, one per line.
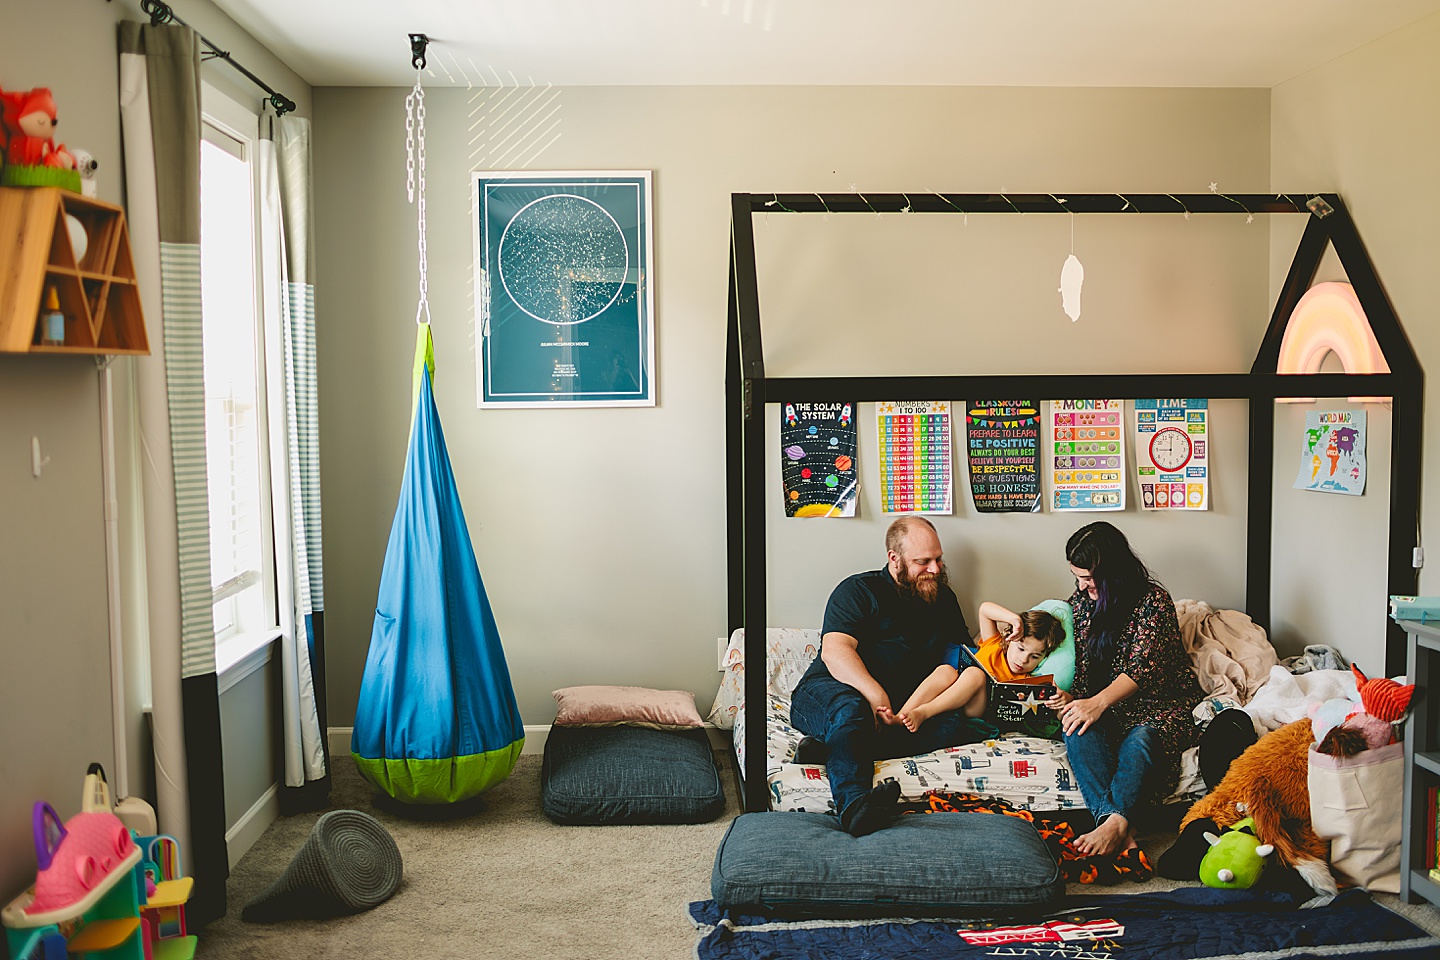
<point>1061,661</point>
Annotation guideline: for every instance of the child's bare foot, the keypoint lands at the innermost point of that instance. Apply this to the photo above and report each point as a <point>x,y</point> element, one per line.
<point>915,716</point>
<point>1109,838</point>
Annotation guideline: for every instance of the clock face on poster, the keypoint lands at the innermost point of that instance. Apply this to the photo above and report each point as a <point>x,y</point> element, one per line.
<point>1170,448</point>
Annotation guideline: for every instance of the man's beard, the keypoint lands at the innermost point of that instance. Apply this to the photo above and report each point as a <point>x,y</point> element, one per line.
<point>925,587</point>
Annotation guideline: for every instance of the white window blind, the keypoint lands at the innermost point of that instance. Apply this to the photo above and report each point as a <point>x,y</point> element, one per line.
<point>241,534</point>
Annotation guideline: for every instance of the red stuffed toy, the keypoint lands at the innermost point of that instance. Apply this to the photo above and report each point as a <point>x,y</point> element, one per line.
<point>1383,697</point>
<point>28,121</point>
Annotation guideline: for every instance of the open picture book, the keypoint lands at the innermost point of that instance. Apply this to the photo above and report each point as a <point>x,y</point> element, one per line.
<point>1021,703</point>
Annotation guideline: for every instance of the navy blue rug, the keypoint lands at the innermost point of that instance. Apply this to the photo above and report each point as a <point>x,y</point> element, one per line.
<point>1186,924</point>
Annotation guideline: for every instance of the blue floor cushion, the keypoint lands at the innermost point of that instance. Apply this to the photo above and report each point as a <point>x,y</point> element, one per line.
<point>928,865</point>
<point>610,775</point>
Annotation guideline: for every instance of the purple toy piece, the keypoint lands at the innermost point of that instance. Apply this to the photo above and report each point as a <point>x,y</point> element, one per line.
<point>47,830</point>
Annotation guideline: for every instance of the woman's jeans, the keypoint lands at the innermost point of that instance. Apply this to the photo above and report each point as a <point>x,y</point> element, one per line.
<point>836,714</point>
<point>1114,770</point>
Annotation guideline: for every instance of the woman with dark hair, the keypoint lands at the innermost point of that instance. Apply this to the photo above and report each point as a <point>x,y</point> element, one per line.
<point>1128,718</point>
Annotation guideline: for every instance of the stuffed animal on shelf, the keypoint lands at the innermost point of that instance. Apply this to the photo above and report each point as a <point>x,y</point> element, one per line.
<point>27,134</point>
<point>1268,783</point>
<point>1235,858</point>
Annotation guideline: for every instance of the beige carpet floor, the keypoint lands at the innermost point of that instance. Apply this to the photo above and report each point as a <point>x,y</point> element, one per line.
<point>505,882</point>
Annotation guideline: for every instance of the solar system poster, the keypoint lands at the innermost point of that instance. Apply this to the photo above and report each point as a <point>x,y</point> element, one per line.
<point>1172,454</point>
<point>564,301</point>
<point>1002,439</point>
<point>1089,455</point>
<point>817,459</point>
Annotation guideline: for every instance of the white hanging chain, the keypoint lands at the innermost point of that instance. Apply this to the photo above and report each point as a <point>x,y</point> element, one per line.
<point>415,156</point>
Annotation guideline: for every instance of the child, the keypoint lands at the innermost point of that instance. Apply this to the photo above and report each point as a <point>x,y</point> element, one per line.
<point>1013,647</point>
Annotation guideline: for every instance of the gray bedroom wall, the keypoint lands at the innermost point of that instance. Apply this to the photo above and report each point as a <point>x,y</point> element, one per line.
<point>1366,126</point>
<point>601,533</point>
<point>55,711</point>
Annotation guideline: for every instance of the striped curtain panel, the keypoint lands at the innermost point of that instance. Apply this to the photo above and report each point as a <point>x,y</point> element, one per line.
<point>160,120</point>
<point>286,226</point>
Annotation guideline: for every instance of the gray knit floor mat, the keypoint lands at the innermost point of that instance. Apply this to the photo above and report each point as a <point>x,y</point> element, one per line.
<point>348,864</point>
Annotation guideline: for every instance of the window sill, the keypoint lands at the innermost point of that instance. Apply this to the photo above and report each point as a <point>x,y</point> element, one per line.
<point>240,656</point>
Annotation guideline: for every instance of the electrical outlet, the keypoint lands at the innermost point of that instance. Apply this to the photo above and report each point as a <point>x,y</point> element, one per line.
<point>720,644</point>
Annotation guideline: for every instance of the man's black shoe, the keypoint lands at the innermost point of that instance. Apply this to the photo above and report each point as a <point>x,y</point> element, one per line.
<point>811,751</point>
<point>872,812</point>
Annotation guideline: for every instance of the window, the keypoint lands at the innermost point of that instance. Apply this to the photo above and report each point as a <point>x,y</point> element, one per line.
<point>242,532</point>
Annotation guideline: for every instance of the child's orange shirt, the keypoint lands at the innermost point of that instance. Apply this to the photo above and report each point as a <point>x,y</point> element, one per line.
<point>991,657</point>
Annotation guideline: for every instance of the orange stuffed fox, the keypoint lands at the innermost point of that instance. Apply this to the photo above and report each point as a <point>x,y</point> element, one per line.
<point>1268,782</point>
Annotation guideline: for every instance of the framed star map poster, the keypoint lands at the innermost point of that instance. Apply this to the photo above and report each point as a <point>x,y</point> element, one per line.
<point>563,298</point>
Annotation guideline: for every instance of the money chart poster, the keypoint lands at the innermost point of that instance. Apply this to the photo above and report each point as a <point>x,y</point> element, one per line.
<point>817,459</point>
<point>1003,447</point>
<point>1089,455</point>
<point>1332,456</point>
<point>1172,451</point>
<point>915,456</point>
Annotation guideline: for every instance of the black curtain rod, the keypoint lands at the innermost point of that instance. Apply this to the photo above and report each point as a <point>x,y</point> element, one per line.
<point>160,12</point>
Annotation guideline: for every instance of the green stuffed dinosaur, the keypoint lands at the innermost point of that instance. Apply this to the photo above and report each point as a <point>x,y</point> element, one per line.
<point>1235,858</point>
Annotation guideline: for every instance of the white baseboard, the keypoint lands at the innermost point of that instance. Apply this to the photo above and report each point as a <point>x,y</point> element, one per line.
<point>535,736</point>
<point>263,812</point>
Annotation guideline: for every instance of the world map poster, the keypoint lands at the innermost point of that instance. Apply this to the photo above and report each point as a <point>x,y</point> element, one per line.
<point>817,459</point>
<point>1332,455</point>
<point>1003,445</point>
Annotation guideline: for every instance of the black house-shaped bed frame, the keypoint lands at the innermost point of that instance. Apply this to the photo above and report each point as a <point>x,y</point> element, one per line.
<point>748,390</point>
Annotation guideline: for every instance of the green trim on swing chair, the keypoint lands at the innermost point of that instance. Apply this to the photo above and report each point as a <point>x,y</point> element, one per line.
<point>424,363</point>
<point>445,780</point>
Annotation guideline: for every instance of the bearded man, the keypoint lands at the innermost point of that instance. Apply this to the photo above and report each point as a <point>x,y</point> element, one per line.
<point>885,631</point>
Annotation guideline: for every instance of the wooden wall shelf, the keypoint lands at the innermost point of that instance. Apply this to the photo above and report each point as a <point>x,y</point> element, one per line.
<point>98,293</point>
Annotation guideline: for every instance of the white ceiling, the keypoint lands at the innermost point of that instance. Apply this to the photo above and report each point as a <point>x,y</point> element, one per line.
<point>1225,43</point>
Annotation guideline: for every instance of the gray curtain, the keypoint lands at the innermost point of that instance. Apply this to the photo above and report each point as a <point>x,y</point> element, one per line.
<point>287,268</point>
<point>160,119</point>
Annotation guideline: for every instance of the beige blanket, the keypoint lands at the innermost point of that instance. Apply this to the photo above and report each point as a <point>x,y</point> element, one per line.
<point>1230,652</point>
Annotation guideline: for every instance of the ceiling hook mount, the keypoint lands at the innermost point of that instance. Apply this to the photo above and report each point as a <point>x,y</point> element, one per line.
<point>418,43</point>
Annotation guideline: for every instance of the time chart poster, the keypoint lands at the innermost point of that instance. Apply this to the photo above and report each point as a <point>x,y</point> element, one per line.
<point>1172,451</point>
<point>915,456</point>
<point>1003,447</point>
<point>1089,455</point>
<point>817,459</point>
<point>563,294</point>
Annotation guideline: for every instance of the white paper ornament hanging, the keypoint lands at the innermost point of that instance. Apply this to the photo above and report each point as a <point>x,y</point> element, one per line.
<point>1072,277</point>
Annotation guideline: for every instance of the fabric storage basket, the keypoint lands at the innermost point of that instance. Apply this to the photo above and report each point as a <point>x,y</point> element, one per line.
<point>1355,804</point>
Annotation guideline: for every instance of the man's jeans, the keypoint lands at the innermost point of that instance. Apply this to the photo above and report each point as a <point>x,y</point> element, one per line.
<point>836,714</point>
<point>1113,778</point>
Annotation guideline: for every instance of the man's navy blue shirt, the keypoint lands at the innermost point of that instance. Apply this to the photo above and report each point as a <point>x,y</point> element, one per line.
<point>901,638</point>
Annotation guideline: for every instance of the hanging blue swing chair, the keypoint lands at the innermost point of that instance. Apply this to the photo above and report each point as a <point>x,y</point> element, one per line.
<point>437,720</point>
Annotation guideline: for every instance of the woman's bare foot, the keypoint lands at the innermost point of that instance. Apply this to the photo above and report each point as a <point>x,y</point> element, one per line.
<point>1109,838</point>
<point>915,716</point>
